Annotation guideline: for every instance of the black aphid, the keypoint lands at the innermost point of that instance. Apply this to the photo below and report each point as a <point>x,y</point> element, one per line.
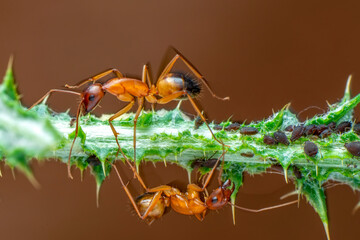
<point>289,128</point>
<point>93,161</point>
<point>217,127</point>
<point>310,130</point>
<point>249,130</point>
<point>343,127</point>
<point>353,148</point>
<point>198,122</point>
<point>356,128</point>
<point>281,137</point>
<point>326,133</point>
<point>268,140</point>
<point>232,127</point>
<point>310,149</point>
<point>247,154</point>
<point>321,128</point>
<point>297,133</point>
<point>202,162</point>
<point>297,172</point>
<point>332,125</point>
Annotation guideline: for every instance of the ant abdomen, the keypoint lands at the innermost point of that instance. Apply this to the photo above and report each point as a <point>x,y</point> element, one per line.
<point>175,82</point>
<point>143,202</point>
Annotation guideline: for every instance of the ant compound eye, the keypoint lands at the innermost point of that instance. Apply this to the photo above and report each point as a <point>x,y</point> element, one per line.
<point>214,200</point>
<point>91,97</point>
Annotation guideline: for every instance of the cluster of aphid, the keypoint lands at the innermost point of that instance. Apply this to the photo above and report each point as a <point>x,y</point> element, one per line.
<point>170,86</point>
<point>314,131</point>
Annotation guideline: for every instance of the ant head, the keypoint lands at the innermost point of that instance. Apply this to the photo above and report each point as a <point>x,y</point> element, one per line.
<point>91,97</point>
<point>220,196</point>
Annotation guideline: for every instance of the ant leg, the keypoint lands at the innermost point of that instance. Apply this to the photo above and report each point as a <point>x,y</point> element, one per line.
<point>154,201</point>
<point>175,95</point>
<point>213,170</point>
<point>141,104</point>
<point>97,77</point>
<point>51,91</point>
<point>264,209</point>
<point>116,115</point>
<point>146,76</point>
<point>203,118</point>
<point>72,145</point>
<point>199,217</point>
<point>160,188</point>
<point>178,56</point>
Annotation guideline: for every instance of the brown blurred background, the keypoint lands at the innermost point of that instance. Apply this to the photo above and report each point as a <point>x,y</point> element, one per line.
<point>263,54</point>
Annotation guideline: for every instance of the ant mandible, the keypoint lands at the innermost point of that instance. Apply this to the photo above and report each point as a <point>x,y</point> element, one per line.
<point>152,204</point>
<point>169,86</point>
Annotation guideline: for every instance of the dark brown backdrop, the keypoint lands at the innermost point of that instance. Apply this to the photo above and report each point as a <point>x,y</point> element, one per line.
<point>263,54</point>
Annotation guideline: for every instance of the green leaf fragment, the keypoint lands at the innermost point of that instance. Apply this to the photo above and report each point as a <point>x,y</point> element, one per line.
<point>23,134</point>
<point>316,197</point>
<point>8,86</point>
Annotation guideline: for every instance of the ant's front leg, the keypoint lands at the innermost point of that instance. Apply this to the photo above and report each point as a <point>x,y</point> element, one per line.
<point>178,56</point>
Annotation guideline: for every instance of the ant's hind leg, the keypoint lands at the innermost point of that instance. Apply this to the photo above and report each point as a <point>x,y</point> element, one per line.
<point>97,77</point>
<point>51,91</point>
<point>203,118</point>
<point>175,95</point>
<point>178,56</point>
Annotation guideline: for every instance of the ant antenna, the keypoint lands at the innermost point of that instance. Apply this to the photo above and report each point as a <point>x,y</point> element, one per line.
<point>263,209</point>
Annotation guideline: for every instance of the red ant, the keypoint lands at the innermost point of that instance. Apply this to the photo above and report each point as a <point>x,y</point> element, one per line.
<point>152,204</point>
<point>169,86</point>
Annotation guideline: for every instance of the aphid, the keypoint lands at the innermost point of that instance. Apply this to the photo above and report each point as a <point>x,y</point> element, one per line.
<point>353,148</point>
<point>289,128</point>
<point>198,122</point>
<point>297,172</point>
<point>268,140</point>
<point>310,130</point>
<point>281,137</point>
<point>343,127</point>
<point>248,154</point>
<point>169,87</point>
<point>356,128</point>
<point>218,127</point>
<point>152,205</point>
<point>204,162</point>
<point>332,125</point>
<point>93,161</point>
<point>321,128</point>
<point>232,127</point>
<point>326,133</point>
<point>297,133</point>
<point>273,160</point>
<point>310,149</point>
<point>249,130</point>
